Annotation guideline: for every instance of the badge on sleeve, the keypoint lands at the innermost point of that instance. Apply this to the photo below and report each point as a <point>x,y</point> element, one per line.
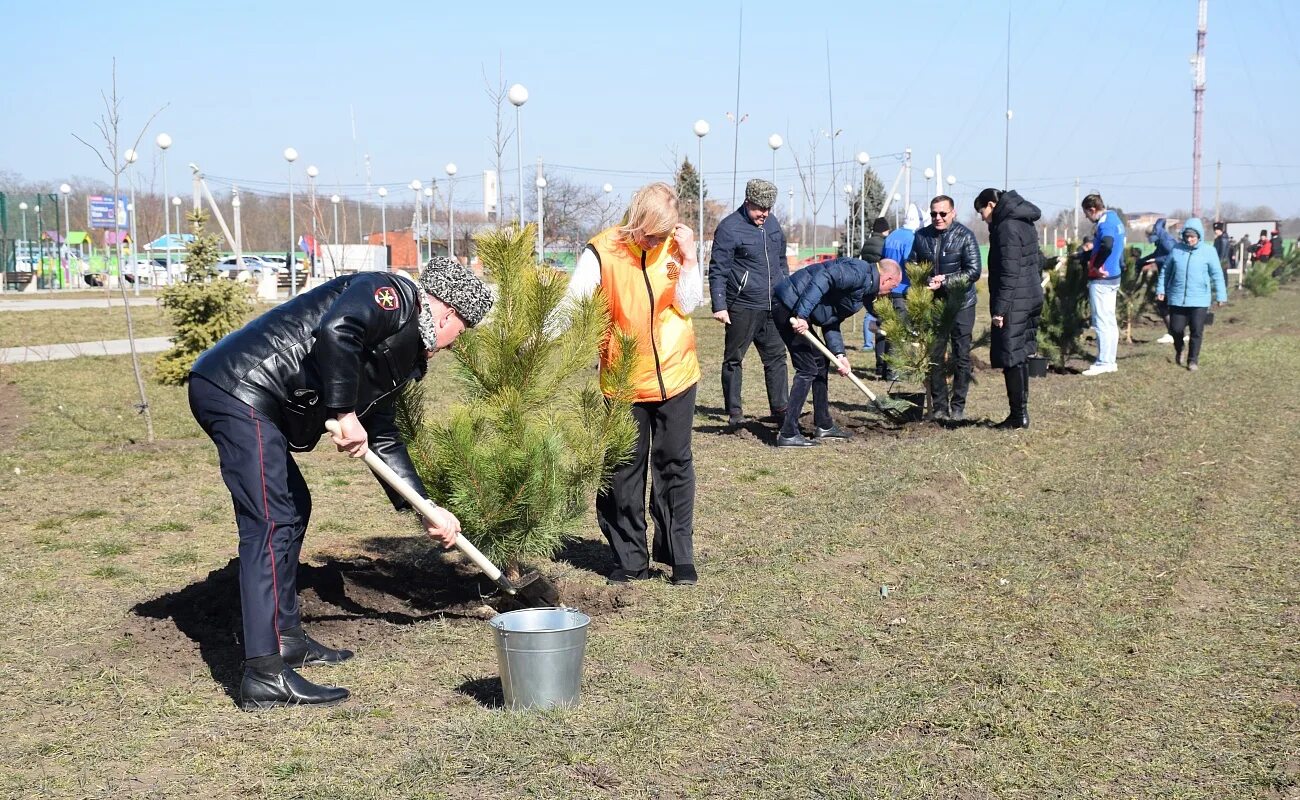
<point>386,298</point>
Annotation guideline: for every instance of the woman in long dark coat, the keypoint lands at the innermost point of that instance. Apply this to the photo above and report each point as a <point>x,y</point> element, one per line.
<point>1015,294</point>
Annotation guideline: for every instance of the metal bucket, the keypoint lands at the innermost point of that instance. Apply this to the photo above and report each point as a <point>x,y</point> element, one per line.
<point>539,656</point>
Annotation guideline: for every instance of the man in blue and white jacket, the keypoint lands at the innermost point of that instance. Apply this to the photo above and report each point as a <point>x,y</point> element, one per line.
<point>1104,270</point>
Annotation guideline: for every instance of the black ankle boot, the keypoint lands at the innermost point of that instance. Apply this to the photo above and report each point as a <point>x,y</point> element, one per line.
<point>300,650</point>
<point>261,690</point>
<point>1017,381</point>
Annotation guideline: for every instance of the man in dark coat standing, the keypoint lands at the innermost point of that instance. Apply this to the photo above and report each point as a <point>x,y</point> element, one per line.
<point>1015,292</point>
<point>954,255</point>
<point>748,259</point>
<point>342,351</point>
<point>823,294</point>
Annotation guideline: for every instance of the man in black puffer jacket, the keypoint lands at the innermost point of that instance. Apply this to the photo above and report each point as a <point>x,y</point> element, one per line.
<point>748,260</point>
<point>954,253</point>
<point>342,351</point>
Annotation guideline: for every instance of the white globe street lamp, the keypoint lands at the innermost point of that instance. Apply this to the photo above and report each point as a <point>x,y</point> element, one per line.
<point>312,173</point>
<point>701,129</point>
<point>428,216</point>
<point>774,141</point>
<point>863,159</point>
<point>64,266</point>
<point>291,156</point>
<point>609,187</point>
<point>518,95</point>
<point>929,175</point>
<point>450,169</point>
<point>164,141</point>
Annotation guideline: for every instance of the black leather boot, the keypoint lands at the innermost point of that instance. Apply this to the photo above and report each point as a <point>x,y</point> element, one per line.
<point>300,650</point>
<point>261,690</point>
<point>1016,379</point>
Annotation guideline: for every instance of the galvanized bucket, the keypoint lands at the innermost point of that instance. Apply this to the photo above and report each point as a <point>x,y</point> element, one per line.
<point>539,655</point>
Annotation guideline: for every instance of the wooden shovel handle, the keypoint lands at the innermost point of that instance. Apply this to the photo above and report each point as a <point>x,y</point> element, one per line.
<point>419,503</point>
<point>826,352</point>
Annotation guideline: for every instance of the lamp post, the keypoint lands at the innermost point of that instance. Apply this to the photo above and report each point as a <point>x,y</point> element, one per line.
<point>774,141</point>
<point>451,210</point>
<point>235,203</point>
<point>518,95</point>
<point>40,245</point>
<point>164,141</point>
<point>334,201</point>
<point>176,206</point>
<point>130,156</point>
<point>416,186</point>
<point>27,245</point>
<point>541,242</point>
<point>952,181</point>
<point>383,219</point>
<point>291,156</point>
<point>848,222</point>
<point>65,190</point>
<point>428,216</point>
<point>929,174</point>
<point>312,172</point>
<point>701,129</point>
<point>863,160</point>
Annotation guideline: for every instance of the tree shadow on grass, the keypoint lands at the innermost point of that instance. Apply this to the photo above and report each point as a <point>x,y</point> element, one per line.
<point>349,601</point>
<point>590,554</point>
<point>486,691</point>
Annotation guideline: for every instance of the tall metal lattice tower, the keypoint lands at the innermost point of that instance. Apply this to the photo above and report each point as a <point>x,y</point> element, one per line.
<point>1198,95</point>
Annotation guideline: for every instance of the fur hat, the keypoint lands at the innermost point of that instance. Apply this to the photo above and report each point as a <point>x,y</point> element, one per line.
<point>761,193</point>
<point>454,284</point>
<point>881,225</point>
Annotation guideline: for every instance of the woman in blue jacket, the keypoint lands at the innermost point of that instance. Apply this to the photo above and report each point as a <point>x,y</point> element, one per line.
<point>1184,283</point>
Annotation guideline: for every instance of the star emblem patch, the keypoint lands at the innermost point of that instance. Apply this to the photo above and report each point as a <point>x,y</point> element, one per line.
<point>386,298</point>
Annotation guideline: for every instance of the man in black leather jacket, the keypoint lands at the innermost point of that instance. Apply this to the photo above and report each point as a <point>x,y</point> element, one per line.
<point>954,252</point>
<point>748,260</point>
<point>343,351</point>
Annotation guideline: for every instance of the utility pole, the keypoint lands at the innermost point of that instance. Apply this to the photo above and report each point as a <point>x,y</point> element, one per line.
<point>1198,94</point>
<point>907,179</point>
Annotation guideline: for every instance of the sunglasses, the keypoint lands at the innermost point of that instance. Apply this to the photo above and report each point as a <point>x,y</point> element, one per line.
<point>940,214</point>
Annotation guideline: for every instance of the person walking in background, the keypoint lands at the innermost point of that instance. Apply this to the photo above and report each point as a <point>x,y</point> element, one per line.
<point>1223,246</point>
<point>1015,293</point>
<point>823,294</point>
<point>1164,242</point>
<point>898,246</point>
<point>1103,280</point>
<point>648,271</point>
<point>1185,283</point>
<point>954,255</point>
<point>1276,246</point>
<point>1263,249</point>
<point>873,249</point>
<point>747,261</point>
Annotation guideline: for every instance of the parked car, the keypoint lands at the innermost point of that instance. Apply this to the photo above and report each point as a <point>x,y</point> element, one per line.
<point>251,263</point>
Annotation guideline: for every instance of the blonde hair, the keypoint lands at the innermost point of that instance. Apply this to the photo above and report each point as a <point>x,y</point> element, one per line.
<point>652,212</point>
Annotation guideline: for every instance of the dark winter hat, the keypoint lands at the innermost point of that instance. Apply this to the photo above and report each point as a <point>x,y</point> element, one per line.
<point>881,225</point>
<point>454,284</point>
<point>761,193</point>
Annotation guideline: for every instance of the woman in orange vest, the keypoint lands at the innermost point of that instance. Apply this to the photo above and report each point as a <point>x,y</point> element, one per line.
<point>648,270</point>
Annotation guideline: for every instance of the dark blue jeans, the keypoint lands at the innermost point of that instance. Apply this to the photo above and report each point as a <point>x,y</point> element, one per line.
<point>810,373</point>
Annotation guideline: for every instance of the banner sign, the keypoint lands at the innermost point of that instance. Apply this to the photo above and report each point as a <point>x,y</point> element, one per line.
<point>102,211</point>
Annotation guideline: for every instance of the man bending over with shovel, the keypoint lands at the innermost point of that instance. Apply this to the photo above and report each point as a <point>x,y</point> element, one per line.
<point>824,294</point>
<point>342,351</point>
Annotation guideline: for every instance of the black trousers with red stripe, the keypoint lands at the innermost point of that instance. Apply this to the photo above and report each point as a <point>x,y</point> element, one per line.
<point>272,507</point>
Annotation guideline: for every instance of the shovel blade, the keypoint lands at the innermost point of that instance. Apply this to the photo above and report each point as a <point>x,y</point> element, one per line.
<point>535,591</point>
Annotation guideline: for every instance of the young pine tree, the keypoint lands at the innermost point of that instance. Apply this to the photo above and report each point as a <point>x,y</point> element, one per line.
<point>1065,315</point>
<point>519,459</point>
<point>203,308</point>
<point>928,320</point>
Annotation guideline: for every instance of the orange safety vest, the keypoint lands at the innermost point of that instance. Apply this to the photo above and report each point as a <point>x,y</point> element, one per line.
<point>640,286</point>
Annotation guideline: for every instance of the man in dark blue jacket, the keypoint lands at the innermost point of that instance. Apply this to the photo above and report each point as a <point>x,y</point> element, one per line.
<point>823,294</point>
<point>748,260</point>
<point>342,351</point>
<point>954,255</point>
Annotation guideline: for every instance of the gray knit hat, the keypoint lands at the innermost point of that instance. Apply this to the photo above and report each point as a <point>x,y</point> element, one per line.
<point>761,193</point>
<point>456,285</point>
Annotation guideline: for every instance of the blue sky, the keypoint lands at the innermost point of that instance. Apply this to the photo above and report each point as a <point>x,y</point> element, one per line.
<point>1100,90</point>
